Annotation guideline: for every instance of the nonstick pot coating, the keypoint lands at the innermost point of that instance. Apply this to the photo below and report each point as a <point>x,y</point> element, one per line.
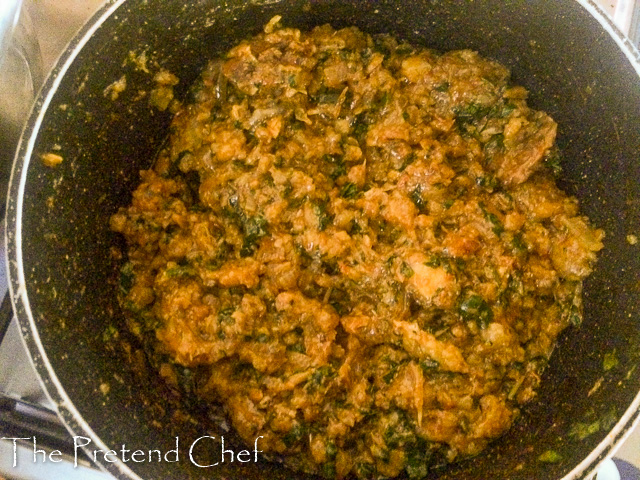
<point>62,271</point>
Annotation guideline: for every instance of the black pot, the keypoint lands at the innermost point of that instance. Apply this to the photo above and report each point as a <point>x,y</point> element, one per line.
<point>579,69</point>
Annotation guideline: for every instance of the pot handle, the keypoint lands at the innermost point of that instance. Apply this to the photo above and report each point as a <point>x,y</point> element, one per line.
<point>23,420</point>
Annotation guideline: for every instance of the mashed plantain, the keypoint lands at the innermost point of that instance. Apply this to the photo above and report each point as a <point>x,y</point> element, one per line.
<point>358,247</point>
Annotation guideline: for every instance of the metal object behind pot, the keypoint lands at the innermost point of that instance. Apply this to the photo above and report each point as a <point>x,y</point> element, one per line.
<point>20,78</point>
<point>62,275</point>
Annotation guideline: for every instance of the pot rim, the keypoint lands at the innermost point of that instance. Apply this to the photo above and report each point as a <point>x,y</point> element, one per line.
<point>53,388</point>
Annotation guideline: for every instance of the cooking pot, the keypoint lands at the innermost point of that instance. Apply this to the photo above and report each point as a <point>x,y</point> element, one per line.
<point>578,68</point>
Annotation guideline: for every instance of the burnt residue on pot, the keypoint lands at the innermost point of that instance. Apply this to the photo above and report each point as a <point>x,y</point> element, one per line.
<point>576,73</point>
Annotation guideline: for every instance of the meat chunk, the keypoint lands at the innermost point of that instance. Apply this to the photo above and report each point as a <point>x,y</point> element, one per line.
<point>432,285</point>
<point>424,346</point>
<point>526,141</point>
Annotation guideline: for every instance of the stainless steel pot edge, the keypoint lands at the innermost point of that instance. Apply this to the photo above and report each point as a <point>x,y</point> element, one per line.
<point>53,388</point>
<point>17,286</point>
<point>631,418</point>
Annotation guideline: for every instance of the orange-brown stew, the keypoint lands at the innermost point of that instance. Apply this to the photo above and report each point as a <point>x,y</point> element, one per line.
<point>360,245</point>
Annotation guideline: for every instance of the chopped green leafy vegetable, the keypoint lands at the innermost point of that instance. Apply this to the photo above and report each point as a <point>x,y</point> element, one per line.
<point>297,347</point>
<point>498,228</point>
<point>254,229</point>
<point>262,338</point>
<point>331,450</point>
<point>572,308</point>
<point>327,95</point>
<point>450,264</point>
<point>319,377</point>
<point>553,161</point>
<point>329,470</point>
<point>610,360</point>
<point>519,243</point>
<point>506,110</point>
<point>416,198</point>
<point>550,456</point>
<point>382,101</point>
<point>408,160</point>
<point>418,460</point>
<point>349,190</point>
<point>582,430</point>
<point>443,87</point>
<point>110,333</point>
<point>428,365</point>
<point>609,419</point>
<point>294,435</point>
<point>467,114</point>
<point>406,270</point>
<point>361,126</point>
<point>488,181</point>
<point>390,375</point>
<point>337,166</point>
<point>127,278</point>
<point>225,315</point>
<point>476,308</point>
<point>324,218</point>
<point>179,271</point>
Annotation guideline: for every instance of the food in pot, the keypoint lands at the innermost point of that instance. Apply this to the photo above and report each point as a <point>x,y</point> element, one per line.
<point>356,245</point>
